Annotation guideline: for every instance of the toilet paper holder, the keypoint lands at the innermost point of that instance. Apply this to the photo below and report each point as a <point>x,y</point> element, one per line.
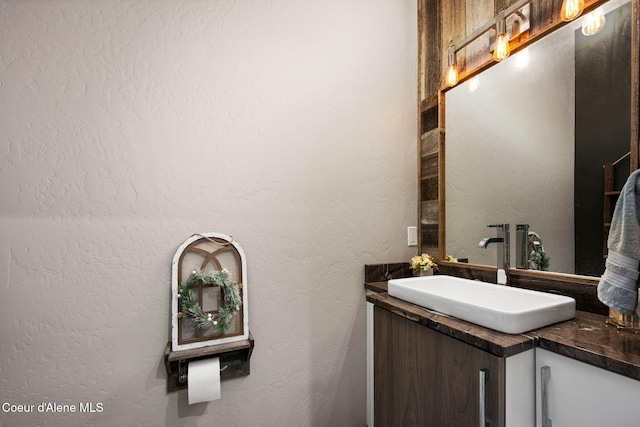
<point>183,370</point>
<point>234,361</point>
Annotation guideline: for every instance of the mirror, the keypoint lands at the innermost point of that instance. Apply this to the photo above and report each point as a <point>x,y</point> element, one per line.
<point>529,146</point>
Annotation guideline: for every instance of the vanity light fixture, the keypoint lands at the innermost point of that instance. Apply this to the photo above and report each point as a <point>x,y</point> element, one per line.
<point>571,9</point>
<point>501,49</point>
<point>510,23</point>
<point>452,71</point>
<point>593,22</point>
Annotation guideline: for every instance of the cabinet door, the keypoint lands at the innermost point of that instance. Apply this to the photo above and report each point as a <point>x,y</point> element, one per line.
<point>579,394</point>
<point>425,378</point>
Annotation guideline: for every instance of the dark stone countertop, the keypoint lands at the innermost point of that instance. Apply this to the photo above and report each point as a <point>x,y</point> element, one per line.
<point>587,338</point>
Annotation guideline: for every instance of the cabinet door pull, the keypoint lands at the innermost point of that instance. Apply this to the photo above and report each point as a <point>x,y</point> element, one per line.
<point>482,392</point>
<point>545,374</point>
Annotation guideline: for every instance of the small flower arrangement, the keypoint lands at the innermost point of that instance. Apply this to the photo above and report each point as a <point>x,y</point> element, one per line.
<point>423,262</point>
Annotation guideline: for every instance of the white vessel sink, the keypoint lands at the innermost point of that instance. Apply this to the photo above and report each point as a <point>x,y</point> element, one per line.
<point>498,307</point>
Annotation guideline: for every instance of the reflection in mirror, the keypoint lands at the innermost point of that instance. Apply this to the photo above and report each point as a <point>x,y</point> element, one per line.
<point>529,146</point>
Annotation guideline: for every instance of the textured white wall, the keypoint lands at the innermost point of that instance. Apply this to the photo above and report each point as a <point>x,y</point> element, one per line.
<point>126,126</point>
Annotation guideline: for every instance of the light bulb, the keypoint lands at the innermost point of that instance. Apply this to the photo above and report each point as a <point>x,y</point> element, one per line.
<point>571,9</point>
<point>452,75</point>
<point>593,22</point>
<point>474,84</point>
<point>501,49</point>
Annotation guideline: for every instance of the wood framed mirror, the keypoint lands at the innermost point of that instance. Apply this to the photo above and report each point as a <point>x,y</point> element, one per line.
<point>434,164</point>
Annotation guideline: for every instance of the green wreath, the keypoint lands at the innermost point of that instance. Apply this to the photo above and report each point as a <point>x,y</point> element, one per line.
<point>230,293</point>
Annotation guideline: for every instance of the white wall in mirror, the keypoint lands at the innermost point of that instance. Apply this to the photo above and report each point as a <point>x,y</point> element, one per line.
<point>518,168</point>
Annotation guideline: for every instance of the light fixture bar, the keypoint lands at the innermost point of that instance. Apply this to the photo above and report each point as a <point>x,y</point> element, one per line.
<point>514,7</point>
<point>489,25</point>
<point>473,36</point>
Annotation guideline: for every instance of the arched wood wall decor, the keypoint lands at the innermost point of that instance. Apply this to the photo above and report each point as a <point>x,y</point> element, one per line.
<point>208,252</point>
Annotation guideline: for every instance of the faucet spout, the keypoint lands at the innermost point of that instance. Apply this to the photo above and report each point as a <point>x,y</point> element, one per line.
<point>502,248</point>
<point>485,242</point>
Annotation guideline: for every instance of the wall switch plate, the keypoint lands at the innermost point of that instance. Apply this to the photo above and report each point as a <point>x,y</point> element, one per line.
<point>412,236</point>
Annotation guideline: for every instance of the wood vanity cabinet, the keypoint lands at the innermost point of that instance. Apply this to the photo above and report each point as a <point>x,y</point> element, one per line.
<point>419,376</point>
<point>425,378</point>
<point>574,393</point>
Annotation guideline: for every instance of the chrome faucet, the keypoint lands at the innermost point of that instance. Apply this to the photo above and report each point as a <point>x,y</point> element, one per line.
<point>502,247</point>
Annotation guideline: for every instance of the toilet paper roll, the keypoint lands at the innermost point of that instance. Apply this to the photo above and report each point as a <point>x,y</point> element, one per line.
<point>204,380</point>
